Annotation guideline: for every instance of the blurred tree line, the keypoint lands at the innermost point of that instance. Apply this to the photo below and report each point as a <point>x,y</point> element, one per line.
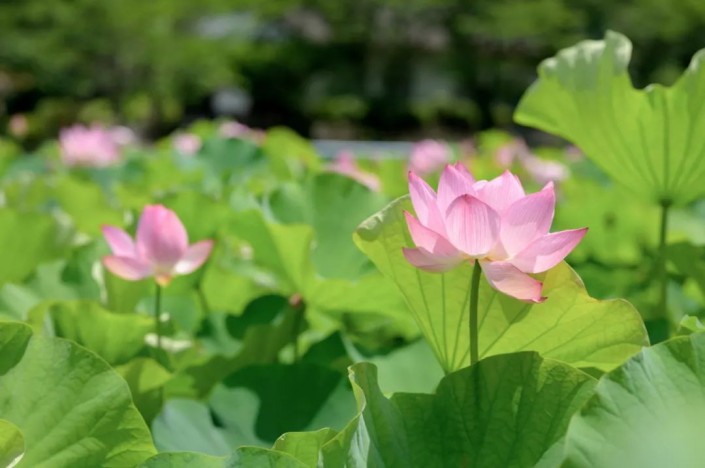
<point>363,68</point>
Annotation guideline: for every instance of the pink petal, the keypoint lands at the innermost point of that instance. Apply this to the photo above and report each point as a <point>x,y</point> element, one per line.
<point>547,251</point>
<point>425,260</point>
<point>128,268</point>
<point>526,220</point>
<point>507,279</point>
<point>501,191</point>
<point>161,237</point>
<point>472,226</point>
<point>429,239</point>
<point>455,181</point>
<point>119,241</point>
<point>423,198</point>
<point>195,256</point>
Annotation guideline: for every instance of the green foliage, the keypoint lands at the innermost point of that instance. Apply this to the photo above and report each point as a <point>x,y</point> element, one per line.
<point>565,327</point>
<point>78,391</point>
<point>645,139</point>
<point>649,412</point>
<point>28,239</point>
<point>11,443</point>
<point>117,338</point>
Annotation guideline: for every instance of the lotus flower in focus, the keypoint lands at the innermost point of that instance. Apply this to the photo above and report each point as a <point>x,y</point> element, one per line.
<point>428,156</point>
<point>161,248</point>
<point>345,164</point>
<point>92,146</point>
<point>493,222</point>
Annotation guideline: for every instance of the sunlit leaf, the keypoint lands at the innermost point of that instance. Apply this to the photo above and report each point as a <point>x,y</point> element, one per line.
<point>93,420</point>
<point>650,412</point>
<point>650,140</point>
<point>570,326</point>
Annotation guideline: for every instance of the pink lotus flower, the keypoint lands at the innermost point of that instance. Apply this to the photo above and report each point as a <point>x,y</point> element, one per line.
<point>540,170</point>
<point>493,222</point>
<point>345,164</point>
<point>235,129</point>
<point>161,248</point>
<point>18,125</point>
<point>428,156</point>
<point>88,146</point>
<point>187,143</point>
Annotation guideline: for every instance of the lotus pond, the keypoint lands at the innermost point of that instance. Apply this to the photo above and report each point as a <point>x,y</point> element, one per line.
<point>229,297</point>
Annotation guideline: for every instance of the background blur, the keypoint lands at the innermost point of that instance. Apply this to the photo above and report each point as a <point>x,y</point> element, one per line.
<point>363,69</point>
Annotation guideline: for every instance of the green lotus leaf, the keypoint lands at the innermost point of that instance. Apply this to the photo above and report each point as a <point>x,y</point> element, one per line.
<point>650,412</point>
<point>11,444</point>
<point>115,337</point>
<point>28,239</point>
<point>319,202</point>
<point>508,410</point>
<point>71,407</point>
<point>650,140</point>
<point>570,326</point>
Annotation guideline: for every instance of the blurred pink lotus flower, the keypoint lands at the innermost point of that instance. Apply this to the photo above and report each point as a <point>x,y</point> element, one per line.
<point>123,136</point>
<point>92,146</point>
<point>428,156</point>
<point>18,126</point>
<point>161,248</point>
<point>544,171</point>
<point>345,164</point>
<point>493,222</point>
<point>540,170</point>
<point>235,129</point>
<point>187,144</point>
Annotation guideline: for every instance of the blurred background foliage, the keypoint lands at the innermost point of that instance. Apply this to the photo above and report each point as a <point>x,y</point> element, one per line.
<point>373,69</point>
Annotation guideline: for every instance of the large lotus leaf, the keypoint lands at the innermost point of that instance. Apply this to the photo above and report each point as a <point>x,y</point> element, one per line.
<point>285,250</point>
<point>114,337</point>
<point>86,203</point>
<point>509,410</point>
<point>146,378</point>
<point>648,413</point>
<point>650,140</point>
<point>315,397</point>
<point>621,226</point>
<point>71,407</point>
<point>333,205</point>
<point>305,446</point>
<point>27,240</point>
<point>570,326</point>
<point>187,425</point>
<point>289,154</point>
<point>688,259</point>
<point>262,331</point>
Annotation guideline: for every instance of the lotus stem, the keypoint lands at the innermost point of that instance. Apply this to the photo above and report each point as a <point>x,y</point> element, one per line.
<point>157,314</point>
<point>299,306</point>
<point>662,271</point>
<point>474,296</point>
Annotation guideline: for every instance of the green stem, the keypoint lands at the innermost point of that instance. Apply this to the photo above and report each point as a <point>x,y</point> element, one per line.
<point>663,274</point>
<point>474,293</point>
<point>157,313</point>
<point>202,299</point>
<point>299,307</point>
